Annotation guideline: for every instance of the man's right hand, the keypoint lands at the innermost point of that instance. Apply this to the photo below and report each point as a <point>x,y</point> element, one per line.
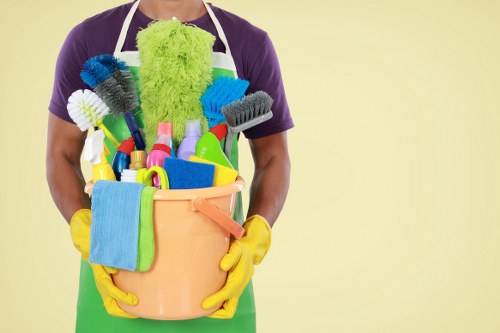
<point>80,234</point>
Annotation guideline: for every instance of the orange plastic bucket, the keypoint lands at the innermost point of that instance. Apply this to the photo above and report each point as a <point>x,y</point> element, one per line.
<point>192,231</point>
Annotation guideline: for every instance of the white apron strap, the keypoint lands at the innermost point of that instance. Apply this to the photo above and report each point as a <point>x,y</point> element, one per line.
<point>220,31</point>
<point>125,27</point>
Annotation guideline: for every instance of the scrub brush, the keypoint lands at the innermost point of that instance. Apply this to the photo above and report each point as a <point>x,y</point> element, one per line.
<point>88,110</point>
<point>223,91</point>
<point>112,80</point>
<point>246,113</point>
<point>176,69</point>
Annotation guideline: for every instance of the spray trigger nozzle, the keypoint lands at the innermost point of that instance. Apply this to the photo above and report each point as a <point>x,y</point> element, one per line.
<point>94,147</point>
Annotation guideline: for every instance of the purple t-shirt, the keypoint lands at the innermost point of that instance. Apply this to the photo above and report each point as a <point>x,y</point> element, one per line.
<point>251,48</point>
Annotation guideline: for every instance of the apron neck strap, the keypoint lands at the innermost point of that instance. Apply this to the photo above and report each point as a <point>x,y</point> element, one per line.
<point>130,15</point>
<point>218,27</point>
<point>125,27</point>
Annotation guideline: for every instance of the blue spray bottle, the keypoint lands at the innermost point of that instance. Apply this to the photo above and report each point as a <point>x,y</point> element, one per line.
<point>121,161</point>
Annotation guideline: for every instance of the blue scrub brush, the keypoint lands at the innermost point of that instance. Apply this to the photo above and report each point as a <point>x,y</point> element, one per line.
<point>112,80</point>
<point>223,91</point>
<point>87,110</point>
<point>244,114</point>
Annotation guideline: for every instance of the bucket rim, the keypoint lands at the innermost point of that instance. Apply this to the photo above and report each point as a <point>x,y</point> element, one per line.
<point>191,194</point>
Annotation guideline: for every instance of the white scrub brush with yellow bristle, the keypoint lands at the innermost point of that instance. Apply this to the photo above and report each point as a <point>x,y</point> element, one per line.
<point>87,110</point>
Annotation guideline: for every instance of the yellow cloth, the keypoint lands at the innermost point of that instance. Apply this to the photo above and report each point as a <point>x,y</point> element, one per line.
<point>223,175</point>
<point>239,262</point>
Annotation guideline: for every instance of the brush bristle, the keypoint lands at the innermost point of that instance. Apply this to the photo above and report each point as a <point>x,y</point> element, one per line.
<point>94,72</point>
<point>223,91</point>
<point>86,108</point>
<point>248,108</point>
<point>113,82</point>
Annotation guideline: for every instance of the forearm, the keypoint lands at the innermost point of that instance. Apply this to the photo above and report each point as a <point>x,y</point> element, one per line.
<point>64,147</point>
<point>269,188</point>
<point>66,183</point>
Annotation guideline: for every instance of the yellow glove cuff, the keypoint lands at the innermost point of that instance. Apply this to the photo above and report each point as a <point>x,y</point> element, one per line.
<point>79,228</point>
<point>258,233</point>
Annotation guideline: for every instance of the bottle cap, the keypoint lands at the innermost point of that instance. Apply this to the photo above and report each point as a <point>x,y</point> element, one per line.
<point>165,128</point>
<point>219,131</point>
<point>162,147</point>
<point>127,146</point>
<point>129,176</point>
<point>193,128</point>
<point>138,159</point>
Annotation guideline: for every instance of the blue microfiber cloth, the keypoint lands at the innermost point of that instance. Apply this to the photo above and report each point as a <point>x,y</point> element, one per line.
<point>114,233</point>
<point>185,174</point>
<point>223,91</point>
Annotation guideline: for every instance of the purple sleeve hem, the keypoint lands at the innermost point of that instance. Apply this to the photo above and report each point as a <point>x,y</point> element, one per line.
<point>60,112</point>
<point>269,131</point>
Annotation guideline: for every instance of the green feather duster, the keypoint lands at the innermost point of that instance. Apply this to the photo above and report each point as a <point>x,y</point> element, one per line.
<point>176,69</point>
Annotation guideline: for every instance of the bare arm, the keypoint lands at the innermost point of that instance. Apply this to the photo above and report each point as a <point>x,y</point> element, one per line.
<point>65,143</point>
<point>272,176</point>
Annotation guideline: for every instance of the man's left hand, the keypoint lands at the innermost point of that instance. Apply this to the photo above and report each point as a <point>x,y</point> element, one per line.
<point>239,262</point>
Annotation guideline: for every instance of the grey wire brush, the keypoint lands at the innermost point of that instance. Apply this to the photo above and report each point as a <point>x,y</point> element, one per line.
<point>245,113</point>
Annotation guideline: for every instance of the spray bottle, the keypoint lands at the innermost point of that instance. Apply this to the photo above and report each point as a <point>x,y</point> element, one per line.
<point>209,148</point>
<point>169,131</point>
<point>160,151</point>
<point>191,137</point>
<point>121,161</point>
<point>95,151</point>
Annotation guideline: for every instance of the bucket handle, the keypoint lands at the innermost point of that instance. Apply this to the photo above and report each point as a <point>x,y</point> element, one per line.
<point>219,217</point>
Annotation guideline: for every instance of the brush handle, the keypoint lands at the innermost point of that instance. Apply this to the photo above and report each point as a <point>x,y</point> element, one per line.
<point>135,132</point>
<point>228,145</point>
<point>243,127</point>
<point>107,133</point>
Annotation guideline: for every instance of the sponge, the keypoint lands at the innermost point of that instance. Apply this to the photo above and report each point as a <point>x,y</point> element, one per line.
<point>223,175</point>
<point>187,175</point>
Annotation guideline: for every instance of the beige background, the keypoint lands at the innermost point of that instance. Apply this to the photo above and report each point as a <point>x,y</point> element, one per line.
<point>392,219</point>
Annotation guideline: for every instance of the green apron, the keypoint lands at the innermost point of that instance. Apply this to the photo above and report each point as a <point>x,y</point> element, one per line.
<point>91,315</point>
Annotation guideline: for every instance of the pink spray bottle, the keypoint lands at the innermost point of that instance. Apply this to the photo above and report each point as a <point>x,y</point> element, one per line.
<point>160,150</point>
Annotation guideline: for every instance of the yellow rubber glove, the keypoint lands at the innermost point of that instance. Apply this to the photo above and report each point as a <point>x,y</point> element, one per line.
<point>110,293</point>
<point>79,228</point>
<point>80,234</point>
<point>239,262</point>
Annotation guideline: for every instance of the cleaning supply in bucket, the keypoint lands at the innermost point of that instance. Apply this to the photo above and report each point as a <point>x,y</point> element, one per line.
<point>169,132</point>
<point>144,176</point>
<point>138,159</point>
<point>223,91</point>
<point>160,150</point>
<point>128,176</point>
<point>191,137</point>
<point>113,82</point>
<point>121,160</point>
<point>188,175</point>
<point>114,233</point>
<point>208,147</point>
<point>176,69</point>
<point>246,113</point>
<point>87,110</point>
<point>223,175</point>
<point>95,151</point>
<point>146,251</point>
